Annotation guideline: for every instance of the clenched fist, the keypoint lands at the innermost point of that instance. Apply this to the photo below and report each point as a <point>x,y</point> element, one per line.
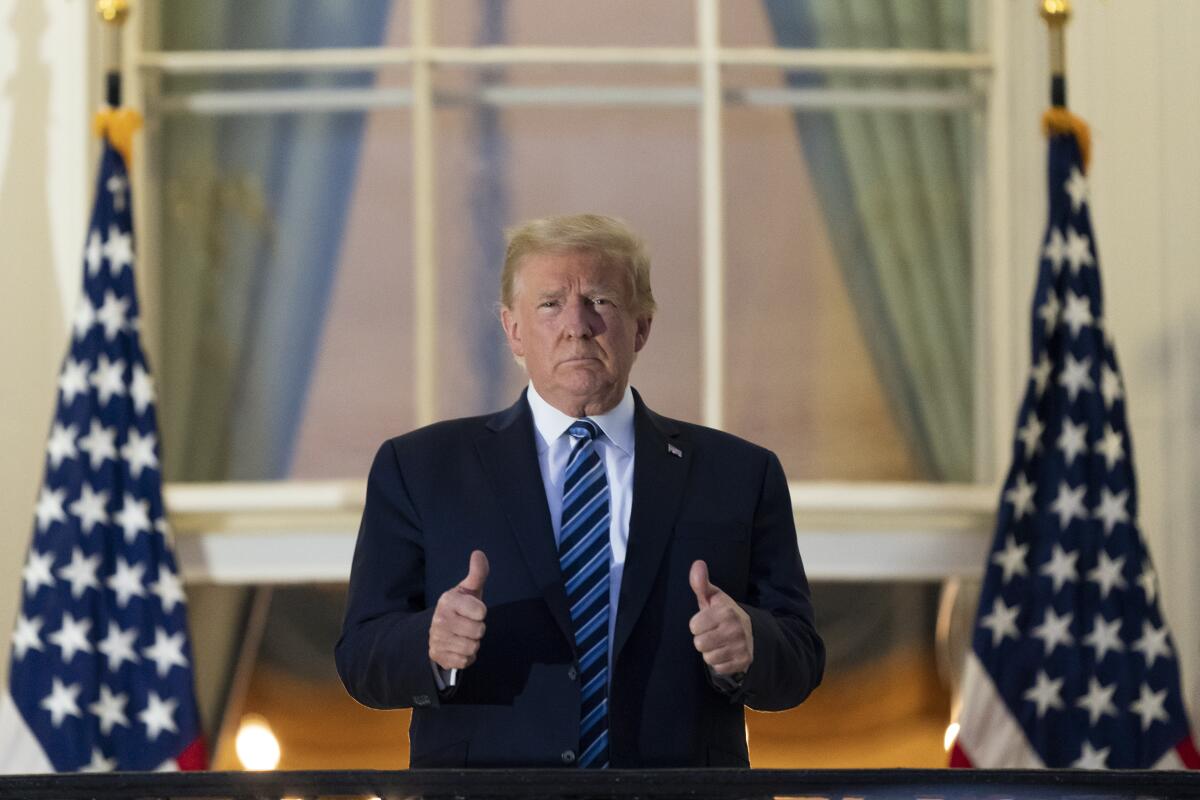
<point>457,626</point>
<point>721,630</point>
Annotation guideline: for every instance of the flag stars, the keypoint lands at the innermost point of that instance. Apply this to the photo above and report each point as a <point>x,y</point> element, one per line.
<point>168,588</point>
<point>73,381</point>
<point>1021,496</point>
<point>116,186</point>
<point>1107,574</point>
<point>110,709</point>
<point>166,652</point>
<point>1105,637</point>
<point>91,508</point>
<point>159,715</point>
<point>1011,559</point>
<point>1054,630</point>
<point>49,508</point>
<point>1002,621</point>
<point>1079,251</point>
<point>84,317</point>
<point>138,452</point>
<point>1077,314</point>
<point>112,315</point>
<point>141,389</point>
<point>72,637</point>
<point>1112,510</point>
<point>1072,440</point>
<point>27,636</point>
<point>1076,187</point>
<point>1148,582</point>
<point>134,517</point>
<point>93,252</point>
<point>99,444</point>
<point>118,249</point>
<point>126,581</point>
<point>1149,706</point>
<point>61,445</point>
<point>99,763</point>
<point>1045,693</point>
<point>1049,311</point>
<point>1153,643</point>
<point>81,573</point>
<point>1061,567</point>
<point>36,572</point>
<point>1098,700</point>
<point>1075,377</point>
<point>1031,434</point>
<point>108,378</point>
<point>1110,386</point>
<point>62,702</point>
<point>1091,758</point>
<point>1111,445</point>
<point>1055,250</point>
<point>117,646</point>
<point>1068,505</point>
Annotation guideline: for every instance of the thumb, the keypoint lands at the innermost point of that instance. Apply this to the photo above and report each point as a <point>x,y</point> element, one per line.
<point>698,578</point>
<point>477,574</point>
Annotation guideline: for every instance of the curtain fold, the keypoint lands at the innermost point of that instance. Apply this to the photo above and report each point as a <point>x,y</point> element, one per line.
<point>245,308</point>
<point>895,190</point>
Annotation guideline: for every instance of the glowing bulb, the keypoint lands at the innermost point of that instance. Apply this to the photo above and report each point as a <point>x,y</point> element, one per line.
<point>256,745</point>
<point>951,735</point>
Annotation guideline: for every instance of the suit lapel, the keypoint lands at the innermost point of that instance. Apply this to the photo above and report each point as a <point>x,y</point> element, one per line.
<point>509,455</point>
<point>662,458</point>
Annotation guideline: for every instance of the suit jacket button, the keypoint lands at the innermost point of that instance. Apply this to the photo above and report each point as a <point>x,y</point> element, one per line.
<point>421,700</point>
<point>568,757</point>
<point>572,673</point>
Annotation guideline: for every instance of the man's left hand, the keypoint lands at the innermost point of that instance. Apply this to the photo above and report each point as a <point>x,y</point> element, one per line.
<point>721,630</point>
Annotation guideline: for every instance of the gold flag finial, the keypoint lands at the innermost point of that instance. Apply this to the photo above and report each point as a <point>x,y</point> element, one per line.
<point>113,11</point>
<point>1056,12</point>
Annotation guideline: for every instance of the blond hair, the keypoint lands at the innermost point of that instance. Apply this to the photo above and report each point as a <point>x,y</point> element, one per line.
<point>610,239</point>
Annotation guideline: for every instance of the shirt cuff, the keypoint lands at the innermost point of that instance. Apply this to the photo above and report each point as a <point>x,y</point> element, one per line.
<point>445,679</point>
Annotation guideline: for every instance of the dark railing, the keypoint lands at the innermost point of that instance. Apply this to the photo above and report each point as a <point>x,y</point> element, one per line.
<point>613,785</point>
<point>698,784</point>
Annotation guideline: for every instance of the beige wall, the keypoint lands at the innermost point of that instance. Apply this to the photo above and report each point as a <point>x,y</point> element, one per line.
<point>43,153</point>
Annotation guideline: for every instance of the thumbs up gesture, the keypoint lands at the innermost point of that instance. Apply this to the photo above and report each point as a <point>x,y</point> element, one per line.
<point>457,626</point>
<point>721,630</point>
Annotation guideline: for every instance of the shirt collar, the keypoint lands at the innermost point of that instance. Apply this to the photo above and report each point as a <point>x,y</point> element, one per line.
<point>550,423</point>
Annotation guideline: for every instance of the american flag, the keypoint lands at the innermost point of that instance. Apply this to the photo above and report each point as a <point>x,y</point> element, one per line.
<point>101,671</point>
<point>1071,663</point>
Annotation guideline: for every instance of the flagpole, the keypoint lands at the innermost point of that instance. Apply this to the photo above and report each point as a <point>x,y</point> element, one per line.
<point>1057,13</point>
<point>113,13</point>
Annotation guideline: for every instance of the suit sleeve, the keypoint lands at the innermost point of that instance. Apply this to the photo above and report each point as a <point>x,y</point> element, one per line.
<point>383,653</point>
<point>789,656</point>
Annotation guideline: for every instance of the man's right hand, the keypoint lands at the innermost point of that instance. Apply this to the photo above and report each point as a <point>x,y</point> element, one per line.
<point>457,626</point>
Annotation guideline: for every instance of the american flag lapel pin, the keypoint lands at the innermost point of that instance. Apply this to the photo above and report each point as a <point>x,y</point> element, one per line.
<point>673,450</point>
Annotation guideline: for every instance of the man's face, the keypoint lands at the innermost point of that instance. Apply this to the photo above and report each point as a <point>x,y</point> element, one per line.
<point>573,322</point>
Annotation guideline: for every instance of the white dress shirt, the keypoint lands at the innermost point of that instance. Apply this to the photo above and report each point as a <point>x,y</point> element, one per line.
<point>615,448</point>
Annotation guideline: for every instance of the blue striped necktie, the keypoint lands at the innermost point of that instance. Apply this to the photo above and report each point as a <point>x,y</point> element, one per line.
<point>584,553</point>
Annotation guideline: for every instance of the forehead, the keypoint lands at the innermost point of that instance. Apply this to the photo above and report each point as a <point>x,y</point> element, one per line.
<point>567,269</point>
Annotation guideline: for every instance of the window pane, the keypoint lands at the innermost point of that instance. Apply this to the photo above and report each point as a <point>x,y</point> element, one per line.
<point>277,24</point>
<point>499,166</point>
<point>849,258</point>
<point>868,24</point>
<point>286,293</point>
<point>562,23</point>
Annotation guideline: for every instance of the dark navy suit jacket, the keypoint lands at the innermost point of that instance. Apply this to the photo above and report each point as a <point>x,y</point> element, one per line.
<point>438,493</point>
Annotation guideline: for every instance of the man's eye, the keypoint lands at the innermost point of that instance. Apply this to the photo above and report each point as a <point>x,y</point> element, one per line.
<point>548,304</point>
<point>601,301</point>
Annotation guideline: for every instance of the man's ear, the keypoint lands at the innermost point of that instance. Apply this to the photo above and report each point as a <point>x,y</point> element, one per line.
<point>512,331</point>
<point>643,333</point>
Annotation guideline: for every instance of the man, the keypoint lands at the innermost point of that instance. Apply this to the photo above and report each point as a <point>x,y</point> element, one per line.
<point>577,580</point>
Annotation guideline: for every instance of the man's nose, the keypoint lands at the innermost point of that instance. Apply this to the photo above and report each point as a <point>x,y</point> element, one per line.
<point>579,319</point>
